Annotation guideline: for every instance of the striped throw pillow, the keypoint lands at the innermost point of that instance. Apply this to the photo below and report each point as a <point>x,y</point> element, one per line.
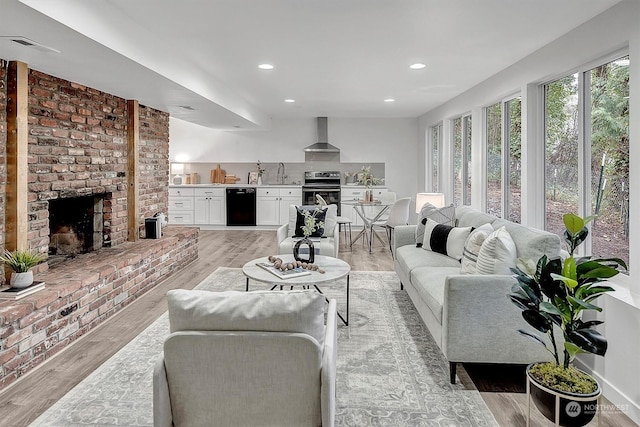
<point>472,248</point>
<point>445,215</point>
<point>445,239</point>
<point>497,254</point>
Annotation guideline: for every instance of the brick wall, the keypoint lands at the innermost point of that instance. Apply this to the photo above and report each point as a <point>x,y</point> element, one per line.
<point>78,147</point>
<point>154,162</point>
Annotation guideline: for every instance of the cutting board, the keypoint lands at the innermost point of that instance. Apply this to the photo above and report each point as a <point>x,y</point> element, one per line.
<point>218,175</point>
<point>231,179</point>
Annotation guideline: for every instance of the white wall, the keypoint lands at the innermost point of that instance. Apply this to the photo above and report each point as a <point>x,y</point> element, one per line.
<point>615,29</point>
<point>392,141</point>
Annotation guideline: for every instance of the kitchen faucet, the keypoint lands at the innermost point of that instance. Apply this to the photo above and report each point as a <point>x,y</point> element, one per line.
<point>280,174</point>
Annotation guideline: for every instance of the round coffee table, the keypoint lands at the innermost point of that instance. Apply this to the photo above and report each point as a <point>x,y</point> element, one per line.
<point>334,269</point>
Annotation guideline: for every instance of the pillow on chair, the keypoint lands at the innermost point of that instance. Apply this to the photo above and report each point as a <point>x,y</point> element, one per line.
<point>271,311</point>
<point>330,219</point>
<point>318,212</point>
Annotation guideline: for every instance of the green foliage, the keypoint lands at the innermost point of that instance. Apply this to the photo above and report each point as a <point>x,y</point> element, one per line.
<point>367,179</point>
<point>553,292</point>
<point>310,222</point>
<point>569,380</point>
<point>21,261</point>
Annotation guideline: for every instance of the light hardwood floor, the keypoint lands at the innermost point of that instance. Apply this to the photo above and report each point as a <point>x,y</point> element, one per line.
<point>24,400</point>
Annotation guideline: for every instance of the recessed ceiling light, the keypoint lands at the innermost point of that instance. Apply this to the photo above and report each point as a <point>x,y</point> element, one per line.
<point>290,101</point>
<point>417,66</point>
<point>265,66</point>
<point>389,100</point>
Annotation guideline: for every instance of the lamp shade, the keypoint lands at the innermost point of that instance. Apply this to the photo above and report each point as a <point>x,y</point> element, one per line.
<point>436,199</point>
<point>177,168</point>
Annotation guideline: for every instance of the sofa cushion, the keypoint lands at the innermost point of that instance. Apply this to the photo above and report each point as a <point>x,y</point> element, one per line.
<point>445,239</point>
<point>466,216</point>
<point>531,243</point>
<point>444,215</point>
<point>330,218</point>
<point>409,257</point>
<point>472,248</point>
<point>271,311</point>
<point>497,254</point>
<point>429,283</point>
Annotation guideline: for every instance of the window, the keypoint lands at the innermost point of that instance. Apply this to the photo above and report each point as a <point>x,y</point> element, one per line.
<point>607,133</point>
<point>494,159</point>
<point>504,137</point>
<point>586,156</point>
<point>436,143</point>
<point>462,160</point>
<point>513,134</point>
<point>561,151</point>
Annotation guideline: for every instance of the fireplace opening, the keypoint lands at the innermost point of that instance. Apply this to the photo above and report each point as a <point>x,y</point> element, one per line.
<point>75,225</point>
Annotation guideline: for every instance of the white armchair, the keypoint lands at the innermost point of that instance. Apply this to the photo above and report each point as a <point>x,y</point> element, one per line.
<point>261,358</point>
<point>328,244</point>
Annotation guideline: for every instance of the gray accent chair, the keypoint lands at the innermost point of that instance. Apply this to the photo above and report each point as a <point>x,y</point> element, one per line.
<point>469,315</point>
<point>246,359</point>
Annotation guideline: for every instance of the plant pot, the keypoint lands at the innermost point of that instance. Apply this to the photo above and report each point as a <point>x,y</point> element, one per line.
<point>21,280</point>
<point>575,410</point>
<point>296,251</point>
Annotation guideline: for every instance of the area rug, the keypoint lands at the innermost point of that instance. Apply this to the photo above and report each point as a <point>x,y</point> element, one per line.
<point>390,371</point>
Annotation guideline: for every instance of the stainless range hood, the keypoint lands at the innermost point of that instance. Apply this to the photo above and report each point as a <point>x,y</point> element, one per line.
<point>322,146</point>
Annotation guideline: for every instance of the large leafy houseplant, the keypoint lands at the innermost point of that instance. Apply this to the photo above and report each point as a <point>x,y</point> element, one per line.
<point>555,292</point>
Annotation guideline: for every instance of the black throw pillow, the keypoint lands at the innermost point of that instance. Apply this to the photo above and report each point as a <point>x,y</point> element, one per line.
<point>320,215</point>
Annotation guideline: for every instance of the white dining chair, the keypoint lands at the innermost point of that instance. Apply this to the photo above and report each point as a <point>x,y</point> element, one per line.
<point>344,222</point>
<point>398,215</point>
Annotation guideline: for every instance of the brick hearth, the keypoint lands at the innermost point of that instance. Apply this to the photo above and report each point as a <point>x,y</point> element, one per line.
<point>83,292</point>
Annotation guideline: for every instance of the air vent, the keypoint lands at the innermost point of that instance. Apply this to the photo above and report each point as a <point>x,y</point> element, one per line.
<point>23,41</point>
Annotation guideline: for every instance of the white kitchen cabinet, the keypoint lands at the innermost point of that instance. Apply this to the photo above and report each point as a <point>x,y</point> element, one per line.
<point>272,204</point>
<point>181,205</point>
<point>209,206</point>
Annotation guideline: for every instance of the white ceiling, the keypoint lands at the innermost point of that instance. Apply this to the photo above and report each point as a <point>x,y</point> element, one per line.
<point>337,58</point>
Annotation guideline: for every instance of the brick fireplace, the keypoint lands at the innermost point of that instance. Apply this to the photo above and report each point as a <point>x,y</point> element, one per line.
<point>80,169</point>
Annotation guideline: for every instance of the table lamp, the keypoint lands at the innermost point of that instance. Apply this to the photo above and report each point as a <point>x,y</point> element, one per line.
<point>177,170</point>
<point>436,199</point>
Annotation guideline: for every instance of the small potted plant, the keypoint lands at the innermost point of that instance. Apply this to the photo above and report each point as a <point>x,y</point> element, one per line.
<point>21,261</point>
<point>311,225</point>
<point>553,294</point>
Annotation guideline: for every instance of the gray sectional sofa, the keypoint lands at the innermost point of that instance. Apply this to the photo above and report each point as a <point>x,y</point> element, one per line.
<point>470,315</point>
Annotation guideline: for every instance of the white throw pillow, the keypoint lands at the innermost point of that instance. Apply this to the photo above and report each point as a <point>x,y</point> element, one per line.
<point>472,248</point>
<point>497,254</point>
<point>445,239</point>
<point>273,311</point>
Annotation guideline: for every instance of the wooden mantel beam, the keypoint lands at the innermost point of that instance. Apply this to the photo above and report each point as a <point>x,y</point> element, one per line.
<point>17,226</point>
<point>133,175</point>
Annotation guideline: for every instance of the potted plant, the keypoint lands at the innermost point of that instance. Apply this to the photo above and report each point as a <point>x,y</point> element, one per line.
<point>21,261</point>
<point>553,294</point>
<point>366,178</point>
<point>309,226</point>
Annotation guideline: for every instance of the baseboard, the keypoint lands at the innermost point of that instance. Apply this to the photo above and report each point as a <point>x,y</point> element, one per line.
<point>619,401</point>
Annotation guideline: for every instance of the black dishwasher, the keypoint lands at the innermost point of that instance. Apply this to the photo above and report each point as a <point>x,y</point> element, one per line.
<point>241,206</point>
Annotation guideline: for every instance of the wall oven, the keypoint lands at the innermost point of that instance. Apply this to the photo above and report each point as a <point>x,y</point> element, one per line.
<point>324,183</point>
